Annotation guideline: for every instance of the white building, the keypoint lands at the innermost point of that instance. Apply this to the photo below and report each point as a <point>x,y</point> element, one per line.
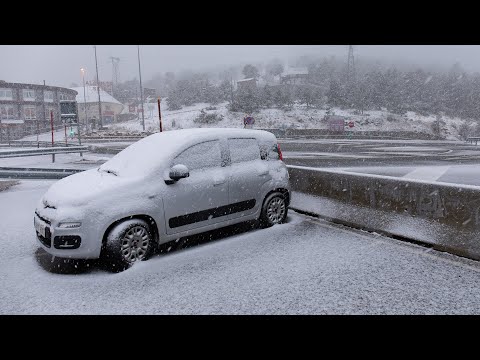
<point>111,107</point>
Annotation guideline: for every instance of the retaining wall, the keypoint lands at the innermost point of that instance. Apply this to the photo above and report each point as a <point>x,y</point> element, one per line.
<point>452,211</point>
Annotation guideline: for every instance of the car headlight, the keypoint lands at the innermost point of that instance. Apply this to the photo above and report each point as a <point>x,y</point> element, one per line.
<point>69,225</point>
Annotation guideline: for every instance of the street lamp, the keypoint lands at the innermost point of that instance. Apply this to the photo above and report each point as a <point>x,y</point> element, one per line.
<point>141,89</point>
<point>98,91</point>
<point>84,99</point>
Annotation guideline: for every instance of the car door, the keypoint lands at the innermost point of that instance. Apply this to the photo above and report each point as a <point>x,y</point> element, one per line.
<point>246,175</point>
<point>199,199</point>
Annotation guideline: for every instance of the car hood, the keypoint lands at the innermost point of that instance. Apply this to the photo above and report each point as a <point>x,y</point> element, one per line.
<point>81,188</point>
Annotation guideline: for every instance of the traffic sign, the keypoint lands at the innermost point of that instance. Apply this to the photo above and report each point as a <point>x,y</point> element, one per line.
<point>248,120</point>
<point>351,124</point>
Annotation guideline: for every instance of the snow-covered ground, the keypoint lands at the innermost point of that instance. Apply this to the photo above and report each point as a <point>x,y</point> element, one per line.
<point>305,266</point>
<point>298,117</point>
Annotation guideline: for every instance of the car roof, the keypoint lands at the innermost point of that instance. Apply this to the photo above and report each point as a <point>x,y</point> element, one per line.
<point>186,134</point>
<point>159,147</point>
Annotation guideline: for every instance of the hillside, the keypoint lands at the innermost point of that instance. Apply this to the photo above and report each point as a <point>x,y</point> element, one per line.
<point>298,117</point>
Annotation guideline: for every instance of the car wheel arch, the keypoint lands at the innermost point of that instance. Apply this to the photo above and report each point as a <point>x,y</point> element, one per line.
<point>148,219</point>
<point>283,191</point>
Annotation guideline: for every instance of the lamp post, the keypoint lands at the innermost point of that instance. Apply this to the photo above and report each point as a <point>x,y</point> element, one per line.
<point>84,100</point>
<point>98,91</point>
<point>141,89</point>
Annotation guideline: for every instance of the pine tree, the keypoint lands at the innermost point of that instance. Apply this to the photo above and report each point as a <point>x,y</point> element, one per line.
<point>250,71</point>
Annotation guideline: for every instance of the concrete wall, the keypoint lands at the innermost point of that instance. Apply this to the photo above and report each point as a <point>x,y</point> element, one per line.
<point>452,210</point>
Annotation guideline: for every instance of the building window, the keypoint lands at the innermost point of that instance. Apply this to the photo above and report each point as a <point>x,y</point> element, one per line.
<point>63,96</point>
<point>6,112</point>
<point>47,113</point>
<point>6,94</point>
<point>29,112</point>
<point>28,94</point>
<point>48,96</point>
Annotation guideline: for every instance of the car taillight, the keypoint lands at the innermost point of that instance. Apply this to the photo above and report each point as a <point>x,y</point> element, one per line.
<point>279,152</point>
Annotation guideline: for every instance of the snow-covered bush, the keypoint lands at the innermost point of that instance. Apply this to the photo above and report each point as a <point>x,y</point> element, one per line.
<point>205,118</point>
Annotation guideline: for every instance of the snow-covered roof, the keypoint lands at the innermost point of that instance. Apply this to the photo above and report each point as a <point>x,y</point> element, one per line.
<point>148,153</point>
<point>91,95</point>
<point>295,71</point>
<point>249,79</point>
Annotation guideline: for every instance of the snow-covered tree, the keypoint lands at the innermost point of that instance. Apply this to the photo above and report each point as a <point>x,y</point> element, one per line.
<point>250,71</point>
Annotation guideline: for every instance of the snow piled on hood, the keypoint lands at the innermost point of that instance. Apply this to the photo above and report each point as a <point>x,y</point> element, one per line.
<point>83,187</point>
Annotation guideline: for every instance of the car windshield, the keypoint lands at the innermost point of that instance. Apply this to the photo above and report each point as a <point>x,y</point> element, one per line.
<point>142,157</point>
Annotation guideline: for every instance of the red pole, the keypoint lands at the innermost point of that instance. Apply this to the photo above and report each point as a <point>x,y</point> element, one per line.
<point>159,115</point>
<point>51,125</point>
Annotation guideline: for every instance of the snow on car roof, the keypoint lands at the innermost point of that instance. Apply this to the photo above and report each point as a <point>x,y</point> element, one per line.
<point>147,154</point>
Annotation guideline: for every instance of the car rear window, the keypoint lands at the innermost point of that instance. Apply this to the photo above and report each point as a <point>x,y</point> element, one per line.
<point>269,151</point>
<point>243,149</point>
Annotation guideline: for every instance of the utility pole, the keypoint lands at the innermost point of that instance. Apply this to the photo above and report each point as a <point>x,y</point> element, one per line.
<point>100,122</point>
<point>51,126</point>
<point>115,73</point>
<point>84,101</point>
<point>350,65</point>
<point>141,89</point>
<point>231,90</point>
<point>79,131</point>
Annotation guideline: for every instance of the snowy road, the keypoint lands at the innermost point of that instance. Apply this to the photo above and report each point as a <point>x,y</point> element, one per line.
<point>306,266</point>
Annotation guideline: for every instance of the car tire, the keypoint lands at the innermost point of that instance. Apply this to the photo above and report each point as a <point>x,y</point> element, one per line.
<point>127,243</point>
<point>274,210</point>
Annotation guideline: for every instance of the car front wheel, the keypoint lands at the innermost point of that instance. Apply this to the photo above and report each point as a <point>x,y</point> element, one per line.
<point>128,242</point>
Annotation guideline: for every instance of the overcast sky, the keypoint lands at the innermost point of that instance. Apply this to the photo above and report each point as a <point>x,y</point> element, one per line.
<point>60,64</point>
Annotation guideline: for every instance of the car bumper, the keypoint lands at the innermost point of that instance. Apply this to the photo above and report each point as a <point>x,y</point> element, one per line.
<point>73,243</point>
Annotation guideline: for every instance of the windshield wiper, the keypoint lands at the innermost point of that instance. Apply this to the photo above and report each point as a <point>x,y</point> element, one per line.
<point>109,171</point>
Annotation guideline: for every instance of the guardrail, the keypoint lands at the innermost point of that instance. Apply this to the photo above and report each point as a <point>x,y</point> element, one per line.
<point>445,216</point>
<point>44,151</point>
<point>36,173</point>
<point>472,140</point>
<point>30,143</point>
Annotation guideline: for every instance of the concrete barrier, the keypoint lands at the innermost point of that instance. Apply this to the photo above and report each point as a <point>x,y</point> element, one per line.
<point>446,216</point>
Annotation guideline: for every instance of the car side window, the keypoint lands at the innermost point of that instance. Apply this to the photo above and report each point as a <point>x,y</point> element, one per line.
<point>243,149</point>
<point>200,156</point>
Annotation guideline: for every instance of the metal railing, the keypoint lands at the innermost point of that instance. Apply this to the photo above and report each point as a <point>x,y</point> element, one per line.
<point>43,151</point>
<point>36,173</point>
<point>39,144</point>
<point>473,139</point>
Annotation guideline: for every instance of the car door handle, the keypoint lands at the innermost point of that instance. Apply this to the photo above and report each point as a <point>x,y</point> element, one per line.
<point>261,173</point>
<point>218,182</point>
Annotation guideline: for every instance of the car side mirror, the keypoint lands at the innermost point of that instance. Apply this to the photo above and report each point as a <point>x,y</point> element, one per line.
<point>176,173</point>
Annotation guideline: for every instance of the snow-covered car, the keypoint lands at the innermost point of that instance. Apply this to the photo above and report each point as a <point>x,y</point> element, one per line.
<point>161,188</point>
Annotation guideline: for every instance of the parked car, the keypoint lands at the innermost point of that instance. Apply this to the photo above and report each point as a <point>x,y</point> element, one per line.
<point>161,188</point>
